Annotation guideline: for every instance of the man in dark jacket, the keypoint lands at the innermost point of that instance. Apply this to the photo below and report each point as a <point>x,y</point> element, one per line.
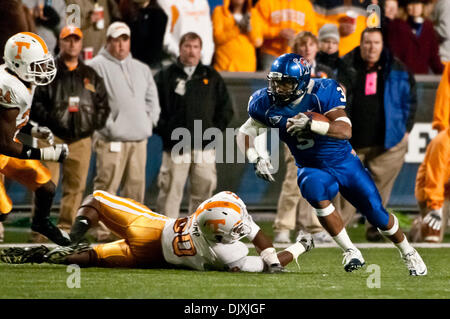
<point>73,107</point>
<point>381,102</point>
<point>193,99</point>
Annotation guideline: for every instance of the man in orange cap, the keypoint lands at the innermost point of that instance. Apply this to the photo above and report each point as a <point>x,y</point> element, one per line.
<point>73,106</point>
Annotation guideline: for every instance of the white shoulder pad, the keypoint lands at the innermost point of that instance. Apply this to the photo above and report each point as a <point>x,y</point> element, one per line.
<point>229,253</point>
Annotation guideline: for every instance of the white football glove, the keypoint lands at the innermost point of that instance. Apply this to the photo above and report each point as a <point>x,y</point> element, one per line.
<point>263,168</point>
<point>44,133</point>
<point>55,153</point>
<point>434,219</point>
<point>300,125</point>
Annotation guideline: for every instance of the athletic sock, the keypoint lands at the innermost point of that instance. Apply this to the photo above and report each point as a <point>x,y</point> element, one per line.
<point>79,228</point>
<point>404,246</point>
<point>343,240</point>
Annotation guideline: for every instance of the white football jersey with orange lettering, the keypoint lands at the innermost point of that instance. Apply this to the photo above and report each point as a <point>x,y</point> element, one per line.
<point>183,243</point>
<point>14,94</point>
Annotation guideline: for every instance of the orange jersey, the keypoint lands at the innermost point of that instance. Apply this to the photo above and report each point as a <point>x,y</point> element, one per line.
<point>281,14</point>
<point>433,176</point>
<point>235,51</point>
<point>441,116</point>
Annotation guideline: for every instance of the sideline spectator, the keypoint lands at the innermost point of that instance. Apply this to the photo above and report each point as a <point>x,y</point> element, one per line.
<point>293,211</point>
<point>188,16</point>
<point>49,19</point>
<point>329,48</point>
<point>414,41</point>
<point>433,191</point>
<point>441,115</point>
<point>147,22</point>
<point>191,94</point>
<point>282,20</point>
<point>73,106</point>
<point>440,17</point>
<point>235,36</point>
<point>96,16</point>
<point>121,146</point>
<point>381,102</point>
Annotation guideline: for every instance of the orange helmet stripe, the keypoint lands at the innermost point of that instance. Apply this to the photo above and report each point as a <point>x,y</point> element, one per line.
<point>218,203</point>
<point>39,39</point>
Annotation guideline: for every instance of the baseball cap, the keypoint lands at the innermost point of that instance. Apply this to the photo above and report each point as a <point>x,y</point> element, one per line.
<point>69,30</point>
<point>116,29</point>
<point>329,31</point>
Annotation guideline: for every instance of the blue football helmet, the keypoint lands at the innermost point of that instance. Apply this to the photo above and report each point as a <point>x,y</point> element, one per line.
<point>288,78</point>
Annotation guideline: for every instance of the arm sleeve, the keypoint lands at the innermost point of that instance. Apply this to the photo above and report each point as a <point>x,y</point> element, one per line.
<point>254,228</point>
<point>252,127</point>
<point>248,264</point>
<point>230,253</point>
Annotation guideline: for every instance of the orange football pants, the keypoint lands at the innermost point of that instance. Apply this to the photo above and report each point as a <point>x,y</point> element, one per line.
<point>139,228</point>
<point>30,173</point>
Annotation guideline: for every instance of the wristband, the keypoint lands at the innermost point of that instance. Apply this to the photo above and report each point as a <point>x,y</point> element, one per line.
<point>296,250</point>
<point>269,255</point>
<point>29,152</point>
<point>320,127</point>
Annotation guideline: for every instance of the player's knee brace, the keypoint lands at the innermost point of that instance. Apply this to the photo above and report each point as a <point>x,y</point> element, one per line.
<point>322,212</point>
<point>392,230</point>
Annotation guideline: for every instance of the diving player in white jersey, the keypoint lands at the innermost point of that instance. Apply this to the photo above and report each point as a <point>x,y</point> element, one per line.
<point>27,63</point>
<point>209,239</point>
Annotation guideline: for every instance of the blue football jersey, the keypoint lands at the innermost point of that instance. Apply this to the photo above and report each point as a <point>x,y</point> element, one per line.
<point>322,96</point>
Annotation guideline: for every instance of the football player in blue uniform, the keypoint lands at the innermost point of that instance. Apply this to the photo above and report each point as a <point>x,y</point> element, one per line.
<point>325,159</point>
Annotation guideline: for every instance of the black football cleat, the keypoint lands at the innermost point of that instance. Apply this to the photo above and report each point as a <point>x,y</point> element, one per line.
<point>48,229</point>
<point>26,255</point>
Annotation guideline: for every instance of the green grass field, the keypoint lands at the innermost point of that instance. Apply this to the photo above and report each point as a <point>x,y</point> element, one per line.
<point>320,276</point>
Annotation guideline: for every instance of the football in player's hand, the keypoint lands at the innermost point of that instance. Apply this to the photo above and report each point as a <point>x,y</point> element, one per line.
<point>317,116</point>
<point>313,116</point>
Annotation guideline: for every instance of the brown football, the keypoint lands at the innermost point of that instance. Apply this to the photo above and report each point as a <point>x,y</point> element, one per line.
<point>317,116</point>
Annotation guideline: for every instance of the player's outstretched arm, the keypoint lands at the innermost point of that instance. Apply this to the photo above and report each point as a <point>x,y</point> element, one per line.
<point>246,144</point>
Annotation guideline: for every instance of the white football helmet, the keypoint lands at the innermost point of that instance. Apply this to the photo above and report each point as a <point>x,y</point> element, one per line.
<point>27,55</point>
<point>222,222</point>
